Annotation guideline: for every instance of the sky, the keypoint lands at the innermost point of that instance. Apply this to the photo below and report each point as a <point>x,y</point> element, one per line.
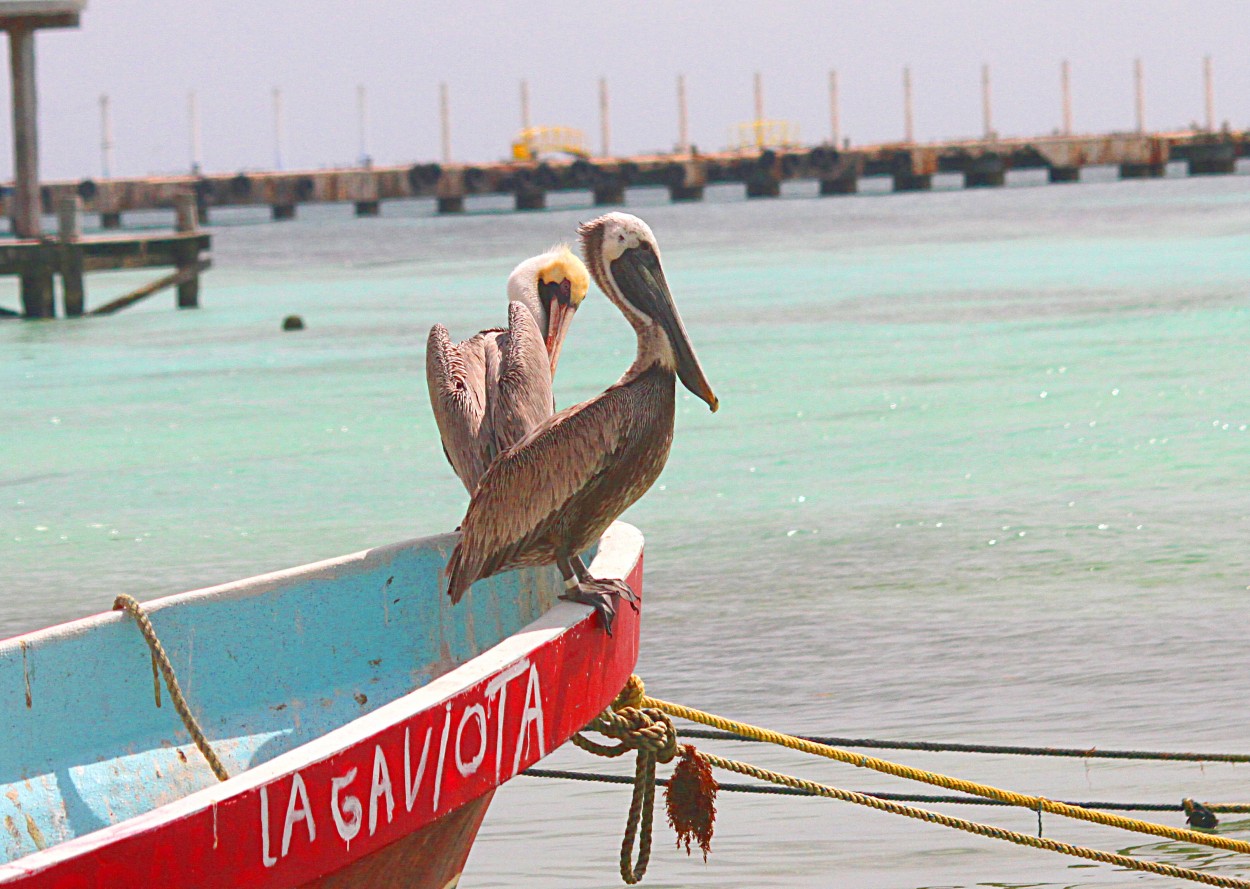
<point>149,56</point>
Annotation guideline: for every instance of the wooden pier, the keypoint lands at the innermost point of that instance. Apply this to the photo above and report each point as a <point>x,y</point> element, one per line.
<point>909,167</point>
<point>37,259</point>
<point>70,256</point>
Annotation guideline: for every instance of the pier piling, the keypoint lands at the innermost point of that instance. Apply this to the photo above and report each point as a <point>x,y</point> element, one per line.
<point>69,233</point>
<point>609,194</point>
<point>912,181</point>
<point>36,279</point>
<point>986,171</point>
<point>187,254</point>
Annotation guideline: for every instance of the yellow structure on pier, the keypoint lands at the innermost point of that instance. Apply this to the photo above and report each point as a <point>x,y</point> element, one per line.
<point>532,142</point>
<point>761,134</point>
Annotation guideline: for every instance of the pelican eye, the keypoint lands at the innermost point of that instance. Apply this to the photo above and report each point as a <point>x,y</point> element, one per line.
<point>560,291</point>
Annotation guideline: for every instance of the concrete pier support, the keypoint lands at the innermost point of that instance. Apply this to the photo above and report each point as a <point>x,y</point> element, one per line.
<point>1141,170</point>
<point>531,199</point>
<point>609,195</point>
<point>763,187</point>
<point>282,212</point>
<point>368,208</point>
<point>111,220</point>
<point>912,181</point>
<point>988,171</point>
<point>1207,160</point>
<point>845,182</point>
<point>678,193</point>
<point>763,177</point>
<point>450,190</point>
<point>1064,174</point>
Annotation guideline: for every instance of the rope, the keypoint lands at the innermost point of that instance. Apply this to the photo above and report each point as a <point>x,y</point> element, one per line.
<point>1036,803</point>
<point>896,797</point>
<point>942,747</point>
<point>160,659</point>
<point>985,830</point>
<point>650,732</point>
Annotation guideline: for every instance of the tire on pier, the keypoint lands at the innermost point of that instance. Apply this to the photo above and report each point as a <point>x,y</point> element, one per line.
<point>241,185</point>
<point>305,188</point>
<point>584,174</point>
<point>87,189</point>
<point>900,163</point>
<point>823,158</point>
<point>546,177</point>
<point>959,161</point>
<point>474,179</point>
<point>422,176</point>
<point>790,164</point>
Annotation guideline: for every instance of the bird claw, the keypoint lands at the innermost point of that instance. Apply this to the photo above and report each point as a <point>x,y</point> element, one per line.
<point>601,595</point>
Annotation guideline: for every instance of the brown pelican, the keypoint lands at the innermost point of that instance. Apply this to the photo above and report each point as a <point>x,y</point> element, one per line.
<point>552,495</point>
<point>491,390</point>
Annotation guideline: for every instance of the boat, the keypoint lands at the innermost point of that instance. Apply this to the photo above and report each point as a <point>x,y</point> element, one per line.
<point>365,723</point>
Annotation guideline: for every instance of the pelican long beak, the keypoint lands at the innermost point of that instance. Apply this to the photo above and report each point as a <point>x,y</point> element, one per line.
<point>559,317</point>
<point>641,279</point>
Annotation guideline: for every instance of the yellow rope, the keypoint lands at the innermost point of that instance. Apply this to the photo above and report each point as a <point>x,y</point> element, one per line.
<point>985,830</point>
<point>890,768</point>
<point>159,658</point>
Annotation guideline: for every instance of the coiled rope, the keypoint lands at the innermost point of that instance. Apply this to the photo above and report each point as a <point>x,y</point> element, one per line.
<point>650,732</point>
<point>161,660</point>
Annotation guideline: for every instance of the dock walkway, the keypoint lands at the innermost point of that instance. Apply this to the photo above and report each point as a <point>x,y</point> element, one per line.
<point>910,167</point>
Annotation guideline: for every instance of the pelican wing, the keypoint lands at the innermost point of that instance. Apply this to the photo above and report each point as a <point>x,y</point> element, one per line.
<point>525,488</point>
<point>456,375</point>
<point>518,388</point>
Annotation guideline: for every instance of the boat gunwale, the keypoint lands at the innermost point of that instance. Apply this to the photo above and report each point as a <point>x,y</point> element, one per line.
<point>620,549</point>
<point>244,588</point>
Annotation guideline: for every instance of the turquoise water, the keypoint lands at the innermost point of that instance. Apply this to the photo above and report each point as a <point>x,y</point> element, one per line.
<point>981,473</point>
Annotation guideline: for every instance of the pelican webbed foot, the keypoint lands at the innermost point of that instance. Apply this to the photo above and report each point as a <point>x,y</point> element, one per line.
<point>599,593</point>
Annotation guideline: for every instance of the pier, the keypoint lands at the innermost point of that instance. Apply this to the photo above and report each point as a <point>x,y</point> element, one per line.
<point>37,259</point>
<point>983,163</point>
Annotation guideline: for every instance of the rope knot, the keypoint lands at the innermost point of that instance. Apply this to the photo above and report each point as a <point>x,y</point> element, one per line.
<point>650,732</point>
<point>631,695</point>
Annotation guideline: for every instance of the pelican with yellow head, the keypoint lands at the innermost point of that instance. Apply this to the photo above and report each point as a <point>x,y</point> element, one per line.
<point>491,390</point>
